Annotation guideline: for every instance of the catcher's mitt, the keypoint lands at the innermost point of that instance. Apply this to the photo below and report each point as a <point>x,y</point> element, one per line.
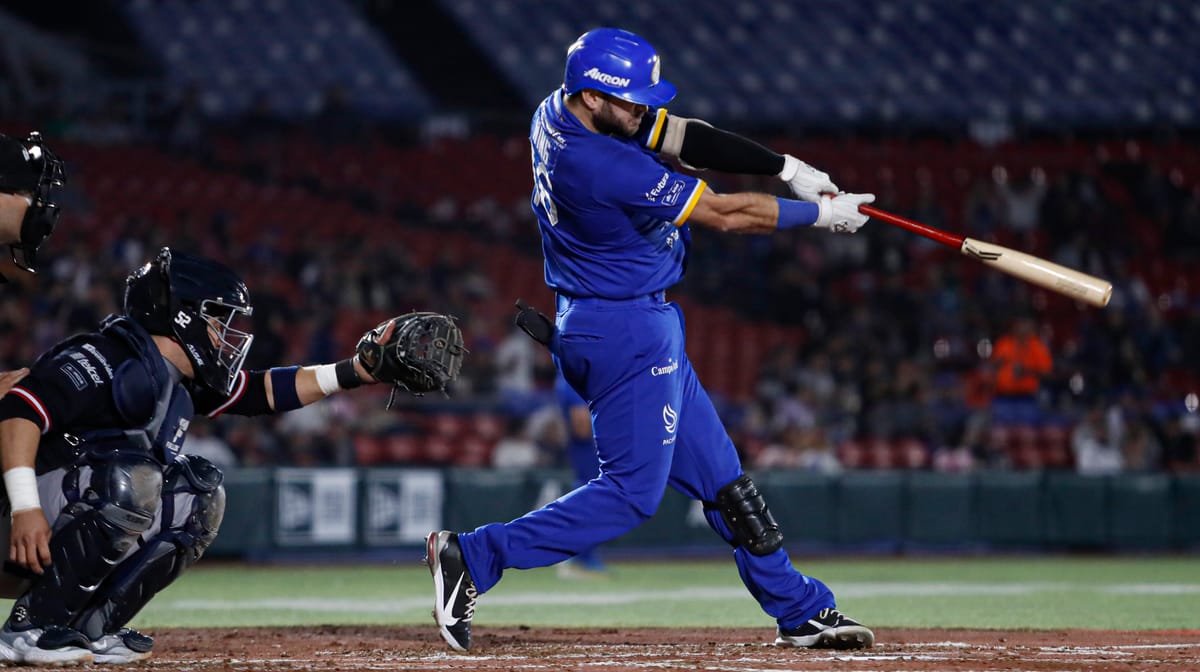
<point>423,353</point>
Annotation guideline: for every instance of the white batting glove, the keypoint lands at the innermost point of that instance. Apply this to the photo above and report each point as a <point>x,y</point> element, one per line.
<point>807,183</point>
<point>840,213</point>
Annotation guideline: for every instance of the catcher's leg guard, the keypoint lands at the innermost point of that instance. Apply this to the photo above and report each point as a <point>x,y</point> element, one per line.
<point>192,510</point>
<point>109,505</point>
<point>747,516</point>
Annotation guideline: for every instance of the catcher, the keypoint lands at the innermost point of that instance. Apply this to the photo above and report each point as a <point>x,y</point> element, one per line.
<point>106,508</point>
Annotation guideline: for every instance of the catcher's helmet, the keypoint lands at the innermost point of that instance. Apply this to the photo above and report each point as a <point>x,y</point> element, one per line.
<point>30,168</point>
<point>619,63</point>
<point>194,300</point>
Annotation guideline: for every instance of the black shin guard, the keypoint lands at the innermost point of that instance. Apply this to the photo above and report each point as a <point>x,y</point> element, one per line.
<point>747,516</point>
<point>99,525</point>
<point>193,484</point>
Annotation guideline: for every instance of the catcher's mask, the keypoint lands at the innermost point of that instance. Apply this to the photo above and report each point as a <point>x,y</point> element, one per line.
<point>195,301</point>
<point>30,168</point>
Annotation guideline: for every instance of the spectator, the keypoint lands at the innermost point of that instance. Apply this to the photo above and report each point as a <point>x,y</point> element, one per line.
<point>799,447</point>
<point>515,449</point>
<point>1096,453</point>
<point>515,360</point>
<point>1182,439</point>
<point>203,442</point>
<point>1022,198</point>
<point>1022,360</point>
<point>1140,450</point>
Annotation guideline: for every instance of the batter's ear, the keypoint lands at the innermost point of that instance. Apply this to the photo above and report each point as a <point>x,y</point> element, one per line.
<point>591,99</point>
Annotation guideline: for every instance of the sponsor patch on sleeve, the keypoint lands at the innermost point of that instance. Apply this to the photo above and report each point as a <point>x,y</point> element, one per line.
<point>74,375</point>
<point>656,192</point>
<point>673,192</point>
<point>82,363</point>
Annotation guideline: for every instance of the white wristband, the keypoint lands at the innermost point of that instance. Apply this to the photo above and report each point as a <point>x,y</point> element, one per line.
<point>21,483</point>
<point>327,378</point>
<point>825,208</point>
<point>791,166</point>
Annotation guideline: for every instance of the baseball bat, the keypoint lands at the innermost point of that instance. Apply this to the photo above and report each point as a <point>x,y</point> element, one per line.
<point>1055,277</point>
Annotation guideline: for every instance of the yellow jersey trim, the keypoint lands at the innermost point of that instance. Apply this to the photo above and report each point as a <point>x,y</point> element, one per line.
<point>691,204</point>
<point>660,121</point>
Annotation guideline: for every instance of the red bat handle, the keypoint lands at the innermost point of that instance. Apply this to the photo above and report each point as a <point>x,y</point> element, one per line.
<point>943,237</point>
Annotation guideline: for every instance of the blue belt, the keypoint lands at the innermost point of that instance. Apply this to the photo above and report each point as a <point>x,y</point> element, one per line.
<point>562,301</point>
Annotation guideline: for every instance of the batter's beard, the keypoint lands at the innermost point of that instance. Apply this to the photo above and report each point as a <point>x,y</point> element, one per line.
<point>607,123</point>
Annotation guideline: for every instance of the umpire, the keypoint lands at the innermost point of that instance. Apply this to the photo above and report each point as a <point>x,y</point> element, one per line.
<point>106,509</point>
<point>31,177</point>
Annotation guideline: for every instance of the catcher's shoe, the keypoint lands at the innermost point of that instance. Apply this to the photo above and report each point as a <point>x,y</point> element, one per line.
<point>829,629</point>
<point>15,644</point>
<point>125,646</point>
<point>57,645</point>
<point>454,591</point>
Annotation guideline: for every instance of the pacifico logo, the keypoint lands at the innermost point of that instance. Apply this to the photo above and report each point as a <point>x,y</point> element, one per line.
<point>670,419</point>
<point>605,78</point>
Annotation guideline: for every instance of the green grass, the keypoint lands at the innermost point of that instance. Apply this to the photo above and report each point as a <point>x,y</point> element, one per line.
<point>1038,593</point>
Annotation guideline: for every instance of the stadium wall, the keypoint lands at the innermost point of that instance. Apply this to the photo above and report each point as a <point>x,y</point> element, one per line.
<point>297,513</point>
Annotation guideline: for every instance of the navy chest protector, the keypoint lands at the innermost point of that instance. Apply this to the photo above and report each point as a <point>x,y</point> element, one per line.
<point>150,399</point>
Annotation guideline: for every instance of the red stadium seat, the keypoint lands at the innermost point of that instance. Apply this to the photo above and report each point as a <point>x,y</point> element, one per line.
<point>448,426</point>
<point>368,450</point>
<point>487,426</point>
<point>439,450</point>
<point>852,455</point>
<point>880,455</point>
<point>474,452</point>
<point>402,449</point>
<point>910,454</point>
<point>1054,442</point>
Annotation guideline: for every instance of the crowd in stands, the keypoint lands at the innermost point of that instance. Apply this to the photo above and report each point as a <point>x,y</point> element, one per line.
<point>889,350</point>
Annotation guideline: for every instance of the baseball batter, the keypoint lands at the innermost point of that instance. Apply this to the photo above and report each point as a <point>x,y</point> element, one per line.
<point>616,224</point>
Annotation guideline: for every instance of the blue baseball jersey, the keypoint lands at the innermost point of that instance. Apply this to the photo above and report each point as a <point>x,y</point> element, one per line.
<point>608,233</point>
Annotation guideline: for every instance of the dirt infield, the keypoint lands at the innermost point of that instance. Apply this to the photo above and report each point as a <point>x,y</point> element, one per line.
<point>333,649</point>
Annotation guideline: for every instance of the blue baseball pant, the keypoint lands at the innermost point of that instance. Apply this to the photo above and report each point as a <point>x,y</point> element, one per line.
<point>654,426</point>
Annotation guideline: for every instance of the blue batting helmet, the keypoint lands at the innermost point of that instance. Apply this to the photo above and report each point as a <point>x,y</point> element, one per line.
<point>618,63</point>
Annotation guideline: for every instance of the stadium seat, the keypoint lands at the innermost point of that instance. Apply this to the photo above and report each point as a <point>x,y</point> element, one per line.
<point>474,452</point>
<point>852,455</point>
<point>1009,62</point>
<point>368,450</point>
<point>440,451</point>
<point>910,454</point>
<point>402,449</point>
<point>284,53</point>
<point>880,454</point>
<point>448,426</point>
<point>1023,448</point>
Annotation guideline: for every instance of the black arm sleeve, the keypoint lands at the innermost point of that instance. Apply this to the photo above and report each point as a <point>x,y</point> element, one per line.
<point>249,397</point>
<point>708,147</point>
